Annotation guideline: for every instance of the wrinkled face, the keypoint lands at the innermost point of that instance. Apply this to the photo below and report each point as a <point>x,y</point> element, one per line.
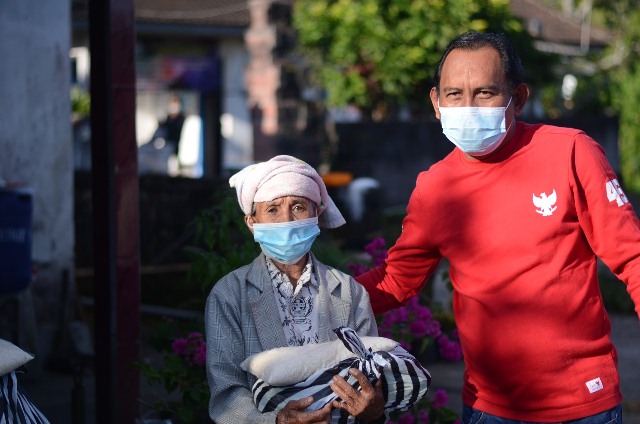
<point>282,209</point>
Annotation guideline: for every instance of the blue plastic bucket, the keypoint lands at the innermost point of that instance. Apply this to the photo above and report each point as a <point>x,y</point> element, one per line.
<point>16,214</point>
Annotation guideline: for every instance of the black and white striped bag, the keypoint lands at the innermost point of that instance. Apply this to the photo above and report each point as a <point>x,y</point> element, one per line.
<point>15,408</point>
<point>405,381</point>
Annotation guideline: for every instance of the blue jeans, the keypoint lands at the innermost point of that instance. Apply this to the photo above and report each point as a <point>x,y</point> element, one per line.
<point>473,416</point>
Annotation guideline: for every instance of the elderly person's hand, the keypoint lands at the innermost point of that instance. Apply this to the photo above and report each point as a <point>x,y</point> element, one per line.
<point>367,404</point>
<point>294,413</point>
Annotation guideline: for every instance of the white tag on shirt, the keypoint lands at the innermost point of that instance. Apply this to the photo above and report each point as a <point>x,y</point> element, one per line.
<point>594,385</point>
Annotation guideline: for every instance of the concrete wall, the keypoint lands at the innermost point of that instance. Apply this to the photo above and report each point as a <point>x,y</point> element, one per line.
<point>395,153</point>
<point>237,130</point>
<point>35,129</point>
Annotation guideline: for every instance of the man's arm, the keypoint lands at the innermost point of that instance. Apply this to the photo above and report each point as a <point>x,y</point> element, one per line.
<point>409,264</point>
<point>606,215</point>
<point>381,300</point>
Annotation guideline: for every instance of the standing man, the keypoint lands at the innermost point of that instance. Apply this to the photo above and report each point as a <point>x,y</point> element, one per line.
<point>173,124</point>
<point>521,212</point>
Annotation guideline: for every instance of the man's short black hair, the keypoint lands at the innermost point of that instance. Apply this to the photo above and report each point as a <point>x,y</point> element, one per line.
<point>473,40</point>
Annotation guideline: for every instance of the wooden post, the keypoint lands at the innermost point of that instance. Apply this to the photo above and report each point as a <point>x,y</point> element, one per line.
<point>115,210</point>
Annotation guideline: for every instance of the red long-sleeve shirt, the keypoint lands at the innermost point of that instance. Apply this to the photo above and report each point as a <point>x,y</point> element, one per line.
<point>521,233</point>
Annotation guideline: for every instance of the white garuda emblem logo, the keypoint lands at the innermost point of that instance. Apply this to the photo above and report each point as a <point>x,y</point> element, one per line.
<point>545,204</point>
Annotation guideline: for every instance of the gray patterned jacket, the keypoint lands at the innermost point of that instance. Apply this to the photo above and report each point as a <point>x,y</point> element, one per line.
<point>241,319</point>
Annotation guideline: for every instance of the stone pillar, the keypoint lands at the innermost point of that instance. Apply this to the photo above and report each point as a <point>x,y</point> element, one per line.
<point>262,79</point>
<point>283,122</point>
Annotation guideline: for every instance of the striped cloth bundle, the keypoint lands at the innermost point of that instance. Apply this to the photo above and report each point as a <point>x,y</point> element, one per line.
<point>404,380</point>
<point>15,408</point>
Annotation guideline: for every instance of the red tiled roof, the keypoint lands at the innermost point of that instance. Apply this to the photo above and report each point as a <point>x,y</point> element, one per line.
<point>553,26</point>
<point>232,13</point>
<point>543,22</point>
<point>215,13</point>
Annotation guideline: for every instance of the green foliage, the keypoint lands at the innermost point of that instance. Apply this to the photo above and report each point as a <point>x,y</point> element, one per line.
<point>614,294</point>
<point>495,16</point>
<point>80,103</point>
<point>222,244</point>
<point>225,243</point>
<point>327,251</point>
<point>183,377</point>
<point>628,99</point>
<point>626,17</point>
<point>620,62</point>
<point>382,53</point>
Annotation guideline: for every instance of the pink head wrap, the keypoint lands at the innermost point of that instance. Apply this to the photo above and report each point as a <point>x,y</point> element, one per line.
<point>285,176</point>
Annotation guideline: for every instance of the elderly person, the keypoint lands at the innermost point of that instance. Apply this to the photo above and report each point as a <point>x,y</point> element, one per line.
<point>285,297</point>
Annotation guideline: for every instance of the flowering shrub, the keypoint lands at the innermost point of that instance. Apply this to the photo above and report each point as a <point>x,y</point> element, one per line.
<point>415,328</point>
<point>183,376</point>
<point>412,323</point>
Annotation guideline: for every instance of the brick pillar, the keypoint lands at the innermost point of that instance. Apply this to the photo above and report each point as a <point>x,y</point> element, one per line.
<point>262,80</point>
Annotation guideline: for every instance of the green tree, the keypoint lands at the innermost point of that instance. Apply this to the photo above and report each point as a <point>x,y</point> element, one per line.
<point>379,54</point>
<point>628,103</point>
<point>622,61</point>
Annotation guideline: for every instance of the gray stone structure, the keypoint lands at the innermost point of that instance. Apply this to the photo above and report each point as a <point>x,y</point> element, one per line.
<point>35,134</point>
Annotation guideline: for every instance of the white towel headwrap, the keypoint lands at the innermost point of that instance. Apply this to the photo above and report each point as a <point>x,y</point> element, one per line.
<point>285,176</point>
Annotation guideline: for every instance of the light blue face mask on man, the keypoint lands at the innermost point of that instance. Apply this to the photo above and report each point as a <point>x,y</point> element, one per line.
<point>475,130</point>
<point>286,242</point>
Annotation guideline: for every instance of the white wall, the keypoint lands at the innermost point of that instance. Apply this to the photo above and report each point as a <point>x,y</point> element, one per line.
<point>237,132</point>
<point>35,129</point>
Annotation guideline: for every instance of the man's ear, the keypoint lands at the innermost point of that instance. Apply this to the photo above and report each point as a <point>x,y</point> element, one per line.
<point>249,220</point>
<point>433,95</point>
<point>520,97</point>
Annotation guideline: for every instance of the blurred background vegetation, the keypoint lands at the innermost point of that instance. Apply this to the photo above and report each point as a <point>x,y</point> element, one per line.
<point>379,55</point>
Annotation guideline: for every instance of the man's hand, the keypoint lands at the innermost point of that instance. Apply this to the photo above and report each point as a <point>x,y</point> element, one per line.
<point>367,404</point>
<point>294,413</point>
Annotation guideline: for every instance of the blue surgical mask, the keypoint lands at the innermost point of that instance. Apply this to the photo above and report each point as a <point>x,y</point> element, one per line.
<point>286,242</point>
<point>475,130</point>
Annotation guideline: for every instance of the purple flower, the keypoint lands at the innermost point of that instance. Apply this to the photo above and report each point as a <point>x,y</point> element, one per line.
<point>440,398</point>
<point>196,335</point>
<point>433,329</point>
<point>423,417</point>
<point>449,350</point>
<point>385,332</point>
<point>418,328</point>
<point>357,269</point>
<point>379,259</point>
<point>455,335</point>
<point>200,355</point>
<point>395,316</point>
<point>180,346</point>
<point>414,302</point>
<point>376,249</point>
<point>422,312</point>
<point>402,314</point>
<point>389,318</point>
<point>375,245</point>
<point>195,340</point>
<point>405,345</point>
<point>406,419</point>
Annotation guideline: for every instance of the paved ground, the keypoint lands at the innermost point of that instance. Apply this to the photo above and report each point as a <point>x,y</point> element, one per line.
<point>51,391</point>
